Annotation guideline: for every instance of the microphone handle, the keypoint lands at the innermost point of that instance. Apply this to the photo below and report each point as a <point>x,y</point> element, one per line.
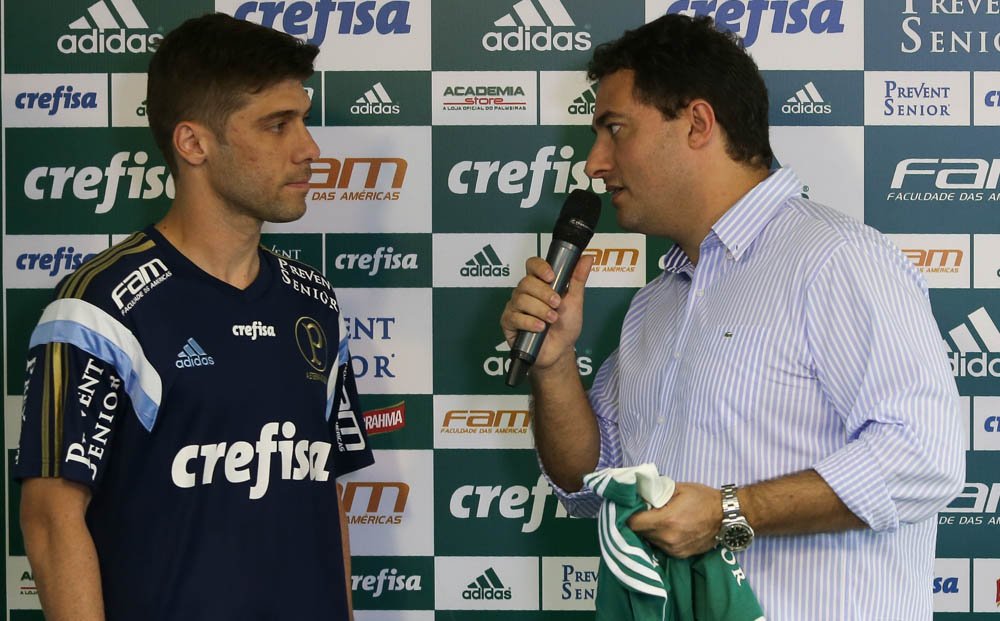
<point>562,257</point>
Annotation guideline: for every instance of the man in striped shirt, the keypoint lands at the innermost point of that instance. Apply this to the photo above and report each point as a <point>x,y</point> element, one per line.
<point>786,349</point>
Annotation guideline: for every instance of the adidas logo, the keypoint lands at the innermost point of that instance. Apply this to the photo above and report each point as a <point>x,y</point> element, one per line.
<point>376,100</point>
<point>106,22</point>
<point>533,23</point>
<point>192,355</point>
<point>806,100</point>
<point>584,104</point>
<point>486,586</point>
<point>965,362</point>
<point>486,262</point>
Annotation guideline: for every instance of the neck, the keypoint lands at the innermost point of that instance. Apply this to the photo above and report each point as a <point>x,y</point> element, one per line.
<point>219,243</point>
<point>715,199</point>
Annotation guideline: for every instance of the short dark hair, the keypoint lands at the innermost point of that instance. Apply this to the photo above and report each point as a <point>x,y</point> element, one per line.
<point>204,69</point>
<point>677,59</point>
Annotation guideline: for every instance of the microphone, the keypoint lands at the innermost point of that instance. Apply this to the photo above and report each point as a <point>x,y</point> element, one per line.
<point>571,234</point>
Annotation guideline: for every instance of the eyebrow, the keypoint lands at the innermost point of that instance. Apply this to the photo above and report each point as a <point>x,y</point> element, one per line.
<point>281,115</point>
<point>603,119</point>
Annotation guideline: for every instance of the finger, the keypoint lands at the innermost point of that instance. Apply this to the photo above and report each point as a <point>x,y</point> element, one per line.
<point>578,280</point>
<point>537,267</point>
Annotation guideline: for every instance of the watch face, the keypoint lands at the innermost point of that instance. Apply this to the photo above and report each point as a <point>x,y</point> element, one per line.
<point>737,537</point>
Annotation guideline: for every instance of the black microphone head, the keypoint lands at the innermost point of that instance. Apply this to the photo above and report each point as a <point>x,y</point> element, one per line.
<point>578,218</point>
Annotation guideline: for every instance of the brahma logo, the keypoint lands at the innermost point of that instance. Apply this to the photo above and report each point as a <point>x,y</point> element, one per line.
<point>112,26</point>
<point>973,359</point>
<point>336,175</point>
<point>384,420</point>
<point>487,177</point>
<point>50,182</point>
<point>312,21</point>
<point>749,18</point>
<point>390,512</point>
<point>552,19</point>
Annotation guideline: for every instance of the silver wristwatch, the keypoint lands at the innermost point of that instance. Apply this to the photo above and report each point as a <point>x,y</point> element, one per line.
<point>735,533</point>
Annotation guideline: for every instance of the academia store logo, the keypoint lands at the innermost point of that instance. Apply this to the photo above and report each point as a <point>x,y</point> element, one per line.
<point>41,261</point>
<point>371,35</point>
<point>484,98</point>
<point>22,591</point>
<point>389,505</point>
<point>482,422</point>
<point>55,100</point>
<point>986,263</point>
<point>951,585</point>
<point>365,182</point>
<point>486,583</point>
<point>389,334</point>
<point>917,98</point>
<point>569,582</point>
<point>798,34</point>
<point>986,98</point>
<point>943,260</point>
<point>619,259</point>
<point>464,260</point>
<point>566,98</point>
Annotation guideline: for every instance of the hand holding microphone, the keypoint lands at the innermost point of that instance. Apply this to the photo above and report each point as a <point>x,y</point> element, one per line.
<point>570,236</point>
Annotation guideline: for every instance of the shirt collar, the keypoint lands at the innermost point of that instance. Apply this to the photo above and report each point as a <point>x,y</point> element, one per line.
<point>743,222</point>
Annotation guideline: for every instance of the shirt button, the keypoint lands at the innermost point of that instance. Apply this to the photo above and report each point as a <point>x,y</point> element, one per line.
<point>661,420</point>
<point>729,255</point>
<point>700,293</point>
<point>677,355</point>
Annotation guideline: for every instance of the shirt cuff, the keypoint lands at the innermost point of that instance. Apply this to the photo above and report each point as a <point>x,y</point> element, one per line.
<point>855,476</point>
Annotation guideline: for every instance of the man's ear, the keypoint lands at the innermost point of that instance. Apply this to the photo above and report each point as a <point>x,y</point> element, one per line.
<point>192,142</point>
<point>702,123</point>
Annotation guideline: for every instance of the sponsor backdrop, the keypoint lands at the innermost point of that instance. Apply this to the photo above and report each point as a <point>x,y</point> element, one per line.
<point>449,140</point>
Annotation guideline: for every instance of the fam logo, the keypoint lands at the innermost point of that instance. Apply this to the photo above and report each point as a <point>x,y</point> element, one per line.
<point>90,182</point>
<point>313,21</point>
<point>945,179</point>
<point>385,420</point>
<point>613,260</point>
<point>375,101</point>
<point>509,502</point>
<point>536,25</point>
<point>482,422</point>
<point>942,259</point>
<point>375,502</point>
<point>517,177</point>
<point>357,178</point>
<point>749,18</point>
<point>971,356</point>
<point>138,283</point>
<point>498,364</point>
<point>806,100</point>
<point>109,26</point>
<point>917,98</point>
<point>485,98</point>
<point>371,329</point>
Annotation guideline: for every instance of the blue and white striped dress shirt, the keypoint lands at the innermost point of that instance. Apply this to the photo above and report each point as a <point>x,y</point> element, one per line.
<point>802,339</point>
